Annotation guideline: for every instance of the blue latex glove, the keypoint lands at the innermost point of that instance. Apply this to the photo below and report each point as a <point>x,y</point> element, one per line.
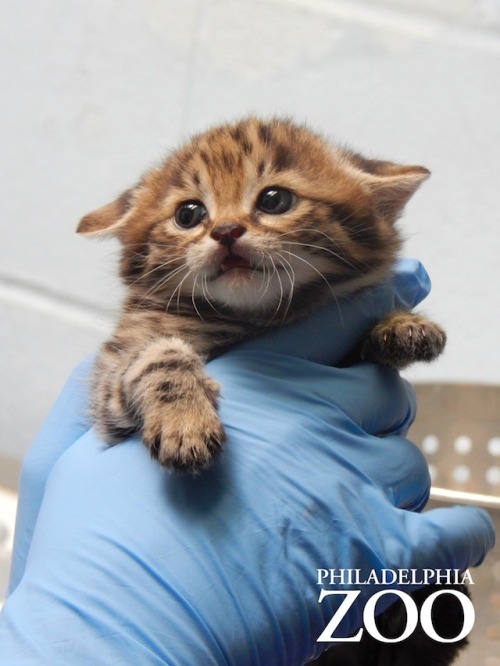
<point>118,562</point>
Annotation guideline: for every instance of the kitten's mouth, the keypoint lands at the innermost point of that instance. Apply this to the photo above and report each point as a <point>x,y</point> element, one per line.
<point>234,261</point>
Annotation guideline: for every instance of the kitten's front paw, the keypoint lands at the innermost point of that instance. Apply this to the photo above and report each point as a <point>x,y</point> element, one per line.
<point>185,447</point>
<point>184,434</point>
<point>404,338</point>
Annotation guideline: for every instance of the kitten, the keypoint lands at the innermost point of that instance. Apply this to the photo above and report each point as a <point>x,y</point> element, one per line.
<point>250,225</point>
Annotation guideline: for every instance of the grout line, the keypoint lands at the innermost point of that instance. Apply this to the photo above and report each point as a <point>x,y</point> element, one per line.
<point>43,299</point>
<point>446,32</point>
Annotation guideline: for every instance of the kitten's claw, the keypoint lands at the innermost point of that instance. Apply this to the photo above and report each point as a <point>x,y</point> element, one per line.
<point>404,338</point>
<point>185,436</point>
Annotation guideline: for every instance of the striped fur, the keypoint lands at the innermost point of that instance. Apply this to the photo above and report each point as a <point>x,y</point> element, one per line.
<point>192,292</point>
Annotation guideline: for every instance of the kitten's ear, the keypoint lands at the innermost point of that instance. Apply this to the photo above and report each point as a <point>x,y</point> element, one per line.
<point>108,219</point>
<point>393,185</point>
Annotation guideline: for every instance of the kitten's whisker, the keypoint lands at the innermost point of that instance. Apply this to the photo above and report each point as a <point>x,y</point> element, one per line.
<point>265,272</point>
<point>276,272</point>
<point>156,268</point>
<point>339,242</point>
<point>324,249</point>
<point>170,300</point>
<point>206,293</point>
<point>150,242</point>
<point>178,289</point>
<point>162,282</point>
<point>297,256</point>
<point>328,284</point>
<point>261,261</point>
<point>193,298</point>
<point>164,264</point>
<point>292,283</point>
<point>307,229</point>
<point>269,278</point>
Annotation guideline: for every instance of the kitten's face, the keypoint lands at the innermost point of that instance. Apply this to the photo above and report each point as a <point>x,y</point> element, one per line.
<point>255,217</point>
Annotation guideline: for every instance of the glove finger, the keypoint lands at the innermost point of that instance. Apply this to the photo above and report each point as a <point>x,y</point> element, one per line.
<point>67,421</point>
<point>256,383</point>
<point>403,476</point>
<point>455,537</point>
<point>68,418</point>
<point>375,398</point>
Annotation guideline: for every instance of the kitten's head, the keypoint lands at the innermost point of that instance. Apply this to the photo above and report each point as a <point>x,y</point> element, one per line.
<point>257,218</point>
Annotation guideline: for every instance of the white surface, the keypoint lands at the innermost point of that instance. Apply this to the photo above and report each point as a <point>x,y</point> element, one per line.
<point>95,92</point>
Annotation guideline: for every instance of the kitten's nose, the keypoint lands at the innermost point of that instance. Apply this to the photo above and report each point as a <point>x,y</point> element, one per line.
<point>226,234</point>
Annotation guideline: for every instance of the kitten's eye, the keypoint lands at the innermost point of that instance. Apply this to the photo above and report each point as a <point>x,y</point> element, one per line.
<point>190,214</point>
<point>276,200</point>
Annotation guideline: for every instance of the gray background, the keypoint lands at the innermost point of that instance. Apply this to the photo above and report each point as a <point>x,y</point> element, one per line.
<point>94,92</point>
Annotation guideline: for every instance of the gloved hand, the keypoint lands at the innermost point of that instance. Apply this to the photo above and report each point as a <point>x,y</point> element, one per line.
<point>118,562</point>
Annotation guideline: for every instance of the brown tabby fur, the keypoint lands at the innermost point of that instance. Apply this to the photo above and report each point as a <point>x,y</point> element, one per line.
<point>182,309</point>
<point>193,292</point>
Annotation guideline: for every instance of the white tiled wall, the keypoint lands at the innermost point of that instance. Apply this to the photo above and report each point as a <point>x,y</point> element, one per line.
<point>94,92</point>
